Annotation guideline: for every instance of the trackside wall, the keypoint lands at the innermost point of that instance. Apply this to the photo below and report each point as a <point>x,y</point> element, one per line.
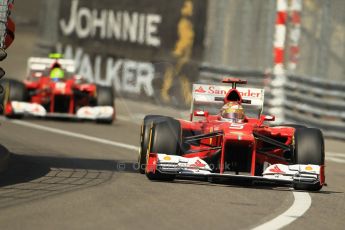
<point>145,49</point>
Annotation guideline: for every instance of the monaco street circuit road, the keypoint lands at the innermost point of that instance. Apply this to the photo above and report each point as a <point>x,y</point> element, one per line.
<point>79,174</point>
<point>82,175</point>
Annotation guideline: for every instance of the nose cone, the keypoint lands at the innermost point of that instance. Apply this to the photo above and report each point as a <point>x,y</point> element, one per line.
<point>238,132</point>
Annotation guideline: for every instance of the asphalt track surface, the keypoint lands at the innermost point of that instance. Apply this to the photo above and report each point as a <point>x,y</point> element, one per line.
<point>57,181</point>
<point>71,179</point>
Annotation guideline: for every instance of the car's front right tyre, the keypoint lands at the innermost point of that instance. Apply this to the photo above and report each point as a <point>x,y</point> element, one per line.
<point>309,149</point>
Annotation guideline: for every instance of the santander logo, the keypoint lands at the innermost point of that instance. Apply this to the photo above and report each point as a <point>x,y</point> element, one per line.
<point>216,90</point>
<point>200,90</point>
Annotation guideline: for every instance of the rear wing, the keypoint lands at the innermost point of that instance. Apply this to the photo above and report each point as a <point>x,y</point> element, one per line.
<point>38,64</point>
<point>213,95</point>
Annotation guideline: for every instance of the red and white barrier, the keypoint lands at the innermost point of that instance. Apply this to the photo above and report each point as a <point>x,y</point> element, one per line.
<point>295,33</point>
<point>280,36</point>
<point>279,77</point>
<point>287,13</point>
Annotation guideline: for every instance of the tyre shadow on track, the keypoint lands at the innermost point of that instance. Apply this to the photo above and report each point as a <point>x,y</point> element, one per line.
<point>31,178</point>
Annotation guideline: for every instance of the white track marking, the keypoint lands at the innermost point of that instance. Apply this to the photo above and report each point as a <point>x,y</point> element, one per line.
<point>335,157</point>
<point>76,135</point>
<point>133,120</point>
<point>333,154</point>
<point>300,205</point>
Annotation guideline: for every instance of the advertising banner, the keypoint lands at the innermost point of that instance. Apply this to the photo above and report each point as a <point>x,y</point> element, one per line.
<point>144,49</point>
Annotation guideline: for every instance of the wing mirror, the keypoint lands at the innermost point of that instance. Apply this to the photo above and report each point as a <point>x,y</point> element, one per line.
<point>200,113</point>
<point>268,118</point>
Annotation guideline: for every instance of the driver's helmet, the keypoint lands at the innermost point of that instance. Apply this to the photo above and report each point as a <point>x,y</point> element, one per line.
<point>57,73</point>
<point>233,112</point>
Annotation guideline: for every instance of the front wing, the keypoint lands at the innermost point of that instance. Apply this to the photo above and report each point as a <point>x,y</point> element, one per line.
<point>86,112</point>
<point>196,167</point>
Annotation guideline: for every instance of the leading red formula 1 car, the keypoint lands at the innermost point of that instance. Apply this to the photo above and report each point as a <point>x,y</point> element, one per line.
<point>52,89</point>
<point>227,137</point>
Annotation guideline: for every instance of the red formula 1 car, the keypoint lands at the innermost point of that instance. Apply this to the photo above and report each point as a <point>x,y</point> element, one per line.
<point>65,95</point>
<point>237,146</point>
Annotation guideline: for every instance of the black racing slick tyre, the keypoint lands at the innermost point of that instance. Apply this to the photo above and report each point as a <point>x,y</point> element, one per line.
<point>309,149</point>
<point>4,85</point>
<point>165,137</point>
<point>13,91</point>
<point>144,138</point>
<point>289,154</point>
<point>105,97</point>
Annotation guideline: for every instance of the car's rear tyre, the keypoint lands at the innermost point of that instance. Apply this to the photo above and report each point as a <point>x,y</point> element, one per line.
<point>13,91</point>
<point>105,97</point>
<point>309,149</point>
<point>165,137</point>
<point>3,84</point>
<point>144,138</point>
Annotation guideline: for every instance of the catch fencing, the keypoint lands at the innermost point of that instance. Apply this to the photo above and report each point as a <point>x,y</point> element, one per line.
<point>322,39</point>
<point>240,34</point>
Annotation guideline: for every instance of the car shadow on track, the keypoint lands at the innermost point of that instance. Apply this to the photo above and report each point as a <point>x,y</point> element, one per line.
<point>325,191</point>
<point>229,184</point>
<point>66,120</point>
<point>35,177</point>
<point>243,184</point>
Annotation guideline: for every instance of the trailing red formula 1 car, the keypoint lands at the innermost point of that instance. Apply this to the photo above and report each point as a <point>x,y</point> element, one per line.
<point>52,89</point>
<point>227,137</point>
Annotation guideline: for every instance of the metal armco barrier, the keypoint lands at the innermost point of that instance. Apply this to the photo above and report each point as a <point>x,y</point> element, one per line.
<point>316,103</point>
